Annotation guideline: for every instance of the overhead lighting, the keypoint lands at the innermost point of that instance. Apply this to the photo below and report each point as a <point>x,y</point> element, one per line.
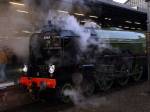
<point>15,31</point>
<point>128,21</point>
<point>25,31</point>
<point>133,28</point>
<point>15,3</point>
<point>120,26</point>
<point>137,23</point>
<point>135,7</point>
<point>63,11</point>
<point>18,38</point>
<point>79,14</point>
<point>83,21</point>
<point>126,27</point>
<point>22,11</point>
<point>93,17</point>
<point>6,37</point>
<point>139,28</point>
<point>107,19</point>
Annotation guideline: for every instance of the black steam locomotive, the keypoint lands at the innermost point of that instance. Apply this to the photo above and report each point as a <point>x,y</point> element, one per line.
<point>57,61</point>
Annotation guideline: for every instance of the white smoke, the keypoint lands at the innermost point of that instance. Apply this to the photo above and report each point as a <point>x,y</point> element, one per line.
<point>75,96</point>
<point>70,22</point>
<point>45,10</point>
<point>13,23</point>
<point>17,46</point>
<point>82,102</point>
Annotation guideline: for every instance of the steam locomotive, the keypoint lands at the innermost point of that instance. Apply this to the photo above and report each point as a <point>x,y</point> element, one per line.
<point>58,63</point>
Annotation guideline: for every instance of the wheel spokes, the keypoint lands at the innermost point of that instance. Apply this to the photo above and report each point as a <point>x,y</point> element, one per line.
<point>105,83</point>
<point>123,80</point>
<point>138,71</point>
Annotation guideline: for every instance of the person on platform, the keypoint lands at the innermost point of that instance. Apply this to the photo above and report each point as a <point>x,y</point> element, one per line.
<point>3,62</point>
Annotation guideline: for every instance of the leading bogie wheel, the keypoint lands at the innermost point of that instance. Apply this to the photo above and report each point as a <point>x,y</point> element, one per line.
<point>65,92</point>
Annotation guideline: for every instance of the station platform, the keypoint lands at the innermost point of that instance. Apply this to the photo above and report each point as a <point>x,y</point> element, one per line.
<point>5,85</point>
<point>11,96</point>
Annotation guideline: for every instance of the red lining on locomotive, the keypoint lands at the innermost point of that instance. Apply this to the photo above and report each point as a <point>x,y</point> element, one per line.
<point>26,81</point>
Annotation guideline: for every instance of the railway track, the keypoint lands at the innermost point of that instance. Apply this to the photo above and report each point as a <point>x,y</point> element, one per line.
<point>54,105</point>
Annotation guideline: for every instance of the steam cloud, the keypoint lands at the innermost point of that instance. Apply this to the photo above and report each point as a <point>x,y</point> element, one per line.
<point>12,25</point>
<point>12,40</point>
<point>81,102</point>
<point>43,12</point>
<point>46,10</point>
<point>40,10</point>
<point>15,22</point>
<point>68,22</point>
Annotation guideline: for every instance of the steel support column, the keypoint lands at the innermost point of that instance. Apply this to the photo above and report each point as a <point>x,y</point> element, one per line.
<point>148,37</point>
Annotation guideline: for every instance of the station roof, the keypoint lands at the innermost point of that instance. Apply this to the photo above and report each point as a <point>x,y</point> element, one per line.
<point>109,13</point>
<point>119,15</point>
<point>121,5</point>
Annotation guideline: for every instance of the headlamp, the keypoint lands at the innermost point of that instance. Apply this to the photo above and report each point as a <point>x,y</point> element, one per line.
<point>51,69</point>
<point>25,68</point>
